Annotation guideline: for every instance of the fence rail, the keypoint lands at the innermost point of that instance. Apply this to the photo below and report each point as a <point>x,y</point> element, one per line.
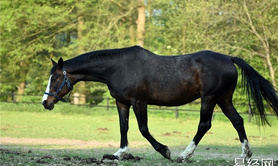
<point>108,103</point>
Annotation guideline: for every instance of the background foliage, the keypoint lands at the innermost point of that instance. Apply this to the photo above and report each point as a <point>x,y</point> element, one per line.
<point>33,31</point>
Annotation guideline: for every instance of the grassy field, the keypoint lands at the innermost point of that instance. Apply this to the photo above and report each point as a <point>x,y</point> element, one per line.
<point>72,135</point>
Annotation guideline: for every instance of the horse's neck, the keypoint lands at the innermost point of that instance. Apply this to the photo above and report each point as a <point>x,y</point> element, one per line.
<point>100,67</point>
<point>92,71</point>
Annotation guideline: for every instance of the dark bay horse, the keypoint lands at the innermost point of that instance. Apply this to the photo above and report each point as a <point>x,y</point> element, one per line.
<point>137,77</point>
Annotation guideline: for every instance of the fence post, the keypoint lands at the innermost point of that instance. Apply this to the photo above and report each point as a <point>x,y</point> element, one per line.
<point>14,97</point>
<point>107,103</point>
<point>76,98</point>
<point>177,112</point>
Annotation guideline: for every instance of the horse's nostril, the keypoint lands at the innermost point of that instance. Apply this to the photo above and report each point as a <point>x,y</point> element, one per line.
<point>48,105</point>
<point>44,103</point>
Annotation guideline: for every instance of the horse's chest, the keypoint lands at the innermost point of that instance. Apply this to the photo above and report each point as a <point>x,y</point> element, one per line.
<point>119,94</point>
<point>113,92</point>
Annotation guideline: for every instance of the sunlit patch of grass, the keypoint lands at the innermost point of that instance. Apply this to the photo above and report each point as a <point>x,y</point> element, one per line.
<point>87,124</point>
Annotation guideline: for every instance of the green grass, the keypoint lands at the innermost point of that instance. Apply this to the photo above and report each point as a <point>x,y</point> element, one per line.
<point>85,123</point>
<point>82,123</point>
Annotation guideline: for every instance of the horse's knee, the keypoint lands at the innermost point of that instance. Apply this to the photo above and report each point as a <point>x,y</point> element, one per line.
<point>205,126</point>
<point>124,130</point>
<point>144,131</point>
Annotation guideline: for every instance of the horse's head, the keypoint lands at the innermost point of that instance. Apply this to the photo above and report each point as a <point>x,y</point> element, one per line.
<point>59,85</point>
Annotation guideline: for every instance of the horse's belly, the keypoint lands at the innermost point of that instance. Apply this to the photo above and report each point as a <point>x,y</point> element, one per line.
<point>171,99</point>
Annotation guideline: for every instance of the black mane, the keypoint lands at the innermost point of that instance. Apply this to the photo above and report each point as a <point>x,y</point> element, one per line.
<point>100,56</point>
<point>107,54</point>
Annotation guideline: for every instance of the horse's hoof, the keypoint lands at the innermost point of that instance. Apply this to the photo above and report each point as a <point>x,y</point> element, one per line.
<point>249,154</point>
<point>183,160</point>
<point>166,153</point>
<point>180,160</point>
<point>246,156</point>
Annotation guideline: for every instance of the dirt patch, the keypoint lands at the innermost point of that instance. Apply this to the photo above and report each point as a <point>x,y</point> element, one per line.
<point>172,133</point>
<point>31,157</point>
<point>7,151</point>
<point>208,156</point>
<point>167,134</point>
<point>66,142</point>
<point>8,155</point>
<point>102,129</point>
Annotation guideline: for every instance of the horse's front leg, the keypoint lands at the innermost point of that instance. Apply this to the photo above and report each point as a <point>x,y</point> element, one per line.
<point>140,110</point>
<point>123,110</point>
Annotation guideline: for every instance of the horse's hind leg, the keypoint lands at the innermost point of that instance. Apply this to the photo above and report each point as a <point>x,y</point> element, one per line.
<point>237,121</point>
<point>207,106</point>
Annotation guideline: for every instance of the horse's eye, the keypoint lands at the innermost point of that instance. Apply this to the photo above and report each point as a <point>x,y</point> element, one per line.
<point>53,79</point>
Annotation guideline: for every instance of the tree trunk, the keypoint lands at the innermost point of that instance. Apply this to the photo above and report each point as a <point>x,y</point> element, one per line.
<point>271,70</point>
<point>20,91</point>
<point>21,86</point>
<point>132,31</point>
<point>80,28</point>
<point>141,23</point>
<point>81,86</point>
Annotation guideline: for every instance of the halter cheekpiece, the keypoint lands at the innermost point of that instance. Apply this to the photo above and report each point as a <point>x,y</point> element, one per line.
<point>65,81</point>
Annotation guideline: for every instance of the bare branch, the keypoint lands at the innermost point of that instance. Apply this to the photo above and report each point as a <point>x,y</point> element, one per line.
<point>265,37</point>
<point>117,3</point>
<point>254,31</point>
<point>251,52</point>
<point>116,20</point>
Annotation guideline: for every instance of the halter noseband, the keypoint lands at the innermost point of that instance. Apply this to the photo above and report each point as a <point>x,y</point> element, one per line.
<point>65,81</point>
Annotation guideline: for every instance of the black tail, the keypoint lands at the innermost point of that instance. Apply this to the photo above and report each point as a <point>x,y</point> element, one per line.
<point>256,87</point>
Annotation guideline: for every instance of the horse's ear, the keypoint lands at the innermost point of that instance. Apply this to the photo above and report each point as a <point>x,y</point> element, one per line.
<point>53,62</point>
<point>60,63</point>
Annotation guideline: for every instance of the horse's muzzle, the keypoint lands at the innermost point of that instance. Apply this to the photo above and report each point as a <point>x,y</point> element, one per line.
<point>47,105</point>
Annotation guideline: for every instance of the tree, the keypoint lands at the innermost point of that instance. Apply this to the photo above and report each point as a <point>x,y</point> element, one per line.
<point>34,31</point>
<point>250,33</point>
<point>141,22</point>
<point>178,27</point>
<point>263,34</point>
<point>28,39</point>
